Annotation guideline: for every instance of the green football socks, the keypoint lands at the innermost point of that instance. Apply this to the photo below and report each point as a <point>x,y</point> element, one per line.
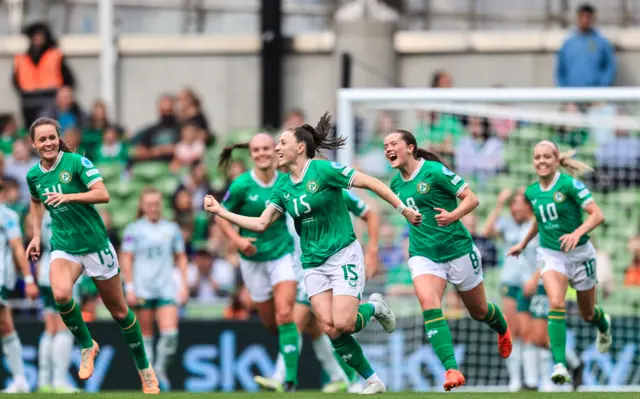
<point>348,371</point>
<point>365,312</point>
<point>72,318</point>
<point>132,334</point>
<point>288,338</point>
<point>558,335</point>
<point>495,319</point>
<point>599,320</point>
<point>351,353</point>
<point>439,336</point>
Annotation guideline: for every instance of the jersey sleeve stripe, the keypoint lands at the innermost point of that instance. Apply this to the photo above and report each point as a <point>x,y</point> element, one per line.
<point>364,211</point>
<point>277,207</point>
<point>94,181</point>
<point>461,189</point>
<point>586,202</point>
<point>351,179</point>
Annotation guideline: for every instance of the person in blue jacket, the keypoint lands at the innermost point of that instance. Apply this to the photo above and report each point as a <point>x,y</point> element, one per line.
<point>587,58</point>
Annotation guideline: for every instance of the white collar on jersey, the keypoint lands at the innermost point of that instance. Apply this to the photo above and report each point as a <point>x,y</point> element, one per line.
<point>55,164</point>
<point>304,172</point>
<point>553,183</point>
<point>415,172</point>
<point>262,184</point>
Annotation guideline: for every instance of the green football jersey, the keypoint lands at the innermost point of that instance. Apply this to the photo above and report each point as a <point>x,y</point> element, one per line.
<point>558,208</point>
<point>354,204</point>
<point>432,185</point>
<point>76,228</point>
<point>248,196</point>
<point>316,203</point>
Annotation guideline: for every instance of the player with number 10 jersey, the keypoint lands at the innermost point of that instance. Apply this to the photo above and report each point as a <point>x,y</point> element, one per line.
<point>565,255</point>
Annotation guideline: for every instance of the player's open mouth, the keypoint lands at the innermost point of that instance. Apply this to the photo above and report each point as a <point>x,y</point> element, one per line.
<point>392,157</point>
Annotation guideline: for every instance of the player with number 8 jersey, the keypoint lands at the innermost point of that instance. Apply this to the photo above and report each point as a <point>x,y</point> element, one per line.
<point>565,254</point>
<point>441,249</point>
<point>332,257</point>
<point>68,185</point>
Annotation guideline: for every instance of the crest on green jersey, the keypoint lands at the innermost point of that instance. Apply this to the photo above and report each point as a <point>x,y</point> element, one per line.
<point>423,187</point>
<point>65,176</point>
<point>312,186</point>
<point>558,196</point>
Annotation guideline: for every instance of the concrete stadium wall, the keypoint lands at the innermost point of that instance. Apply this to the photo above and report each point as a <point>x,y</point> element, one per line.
<point>228,80</point>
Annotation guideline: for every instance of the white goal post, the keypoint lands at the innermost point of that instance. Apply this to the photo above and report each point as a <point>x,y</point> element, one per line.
<point>433,99</point>
<point>472,128</point>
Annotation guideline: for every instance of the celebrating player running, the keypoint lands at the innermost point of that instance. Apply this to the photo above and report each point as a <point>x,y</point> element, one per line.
<point>441,250</point>
<point>68,185</point>
<point>566,255</point>
<point>332,257</point>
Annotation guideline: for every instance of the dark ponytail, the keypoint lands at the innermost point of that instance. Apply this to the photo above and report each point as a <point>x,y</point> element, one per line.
<point>418,152</point>
<point>225,155</point>
<point>42,121</point>
<point>322,137</point>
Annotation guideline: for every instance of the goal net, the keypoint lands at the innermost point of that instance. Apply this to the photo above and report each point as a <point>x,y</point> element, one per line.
<point>488,135</point>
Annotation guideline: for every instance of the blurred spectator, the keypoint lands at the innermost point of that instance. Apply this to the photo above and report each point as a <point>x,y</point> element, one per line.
<point>295,117</point>
<point>98,122</point>
<point>502,128</point>
<point>632,274</point>
<point>73,137</point>
<point>214,277</point>
<point>189,110</point>
<point>65,110</point>
<point>197,183</point>
<point>158,141</point>
<point>436,131</point>
<point>573,137</point>
<point>11,197</point>
<point>18,164</point>
<point>112,148</point>
<point>586,58</point>
<point>3,176</point>
<point>486,246</point>
<point>191,146</point>
<point>618,162</point>
<point>8,133</point>
<point>183,210</point>
<point>441,80</point>
<point>241,307</point>
<point>371,159</point>
<point>479,155</point>
<point>39,72</point>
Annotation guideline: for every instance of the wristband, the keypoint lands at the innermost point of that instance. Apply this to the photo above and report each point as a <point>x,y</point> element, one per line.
<point>28,279</point>
<point>129,287</point>
<point>400,208</point>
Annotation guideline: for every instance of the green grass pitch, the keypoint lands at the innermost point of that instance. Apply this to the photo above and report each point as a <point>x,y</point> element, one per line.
<point>319,395</point>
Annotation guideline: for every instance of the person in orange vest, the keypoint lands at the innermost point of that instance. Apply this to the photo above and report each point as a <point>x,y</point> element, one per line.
<point>39,72</point>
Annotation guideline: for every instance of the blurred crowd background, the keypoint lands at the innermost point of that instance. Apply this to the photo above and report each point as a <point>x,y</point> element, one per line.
<point>177,149</point>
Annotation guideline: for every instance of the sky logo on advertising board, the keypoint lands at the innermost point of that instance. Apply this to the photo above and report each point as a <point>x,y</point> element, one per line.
<point>219,368</point>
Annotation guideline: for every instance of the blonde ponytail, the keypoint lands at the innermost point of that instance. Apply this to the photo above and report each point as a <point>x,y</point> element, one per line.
<point>573,167</point>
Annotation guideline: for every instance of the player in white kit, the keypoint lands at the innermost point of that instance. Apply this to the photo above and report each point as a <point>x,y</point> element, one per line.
<point>11,248</point>
<point>151,249</point>
<point>512,228</point>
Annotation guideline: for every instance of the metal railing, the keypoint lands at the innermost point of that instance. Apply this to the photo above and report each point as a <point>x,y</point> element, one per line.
<point>192,15</point>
